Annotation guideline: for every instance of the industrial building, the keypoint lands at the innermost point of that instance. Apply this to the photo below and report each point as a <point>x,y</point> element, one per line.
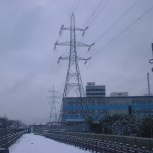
<point>97,105</point>
<point>74,108</point>
<point>93,90</point>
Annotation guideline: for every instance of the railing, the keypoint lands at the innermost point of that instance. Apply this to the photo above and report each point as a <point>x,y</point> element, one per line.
<point>10,131</point>
<point>8,136</point>
<point>8,140</point>
<point>96,145</point>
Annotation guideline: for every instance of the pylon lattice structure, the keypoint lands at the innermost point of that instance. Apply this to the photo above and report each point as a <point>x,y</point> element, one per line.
<point>73,77</point>
<point>53,113</point>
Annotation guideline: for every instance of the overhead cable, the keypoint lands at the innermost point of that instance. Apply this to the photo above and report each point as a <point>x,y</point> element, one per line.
<point>117,21</point>
<point>123,30</point>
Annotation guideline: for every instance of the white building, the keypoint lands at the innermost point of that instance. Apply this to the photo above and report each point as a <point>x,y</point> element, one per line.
<point>93,90</point>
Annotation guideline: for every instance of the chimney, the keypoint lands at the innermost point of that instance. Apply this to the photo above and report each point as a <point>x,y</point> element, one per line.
<point>148,83</point>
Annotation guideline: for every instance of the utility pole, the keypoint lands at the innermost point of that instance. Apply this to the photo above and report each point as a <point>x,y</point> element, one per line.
<point>53,113</point>
<point>73,77</point>
<point>151,60</point>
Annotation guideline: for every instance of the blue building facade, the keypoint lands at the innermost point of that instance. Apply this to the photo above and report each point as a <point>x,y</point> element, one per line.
<point>74,108</point>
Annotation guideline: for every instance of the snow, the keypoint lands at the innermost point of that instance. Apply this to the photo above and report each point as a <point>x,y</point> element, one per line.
<point>30,143</point>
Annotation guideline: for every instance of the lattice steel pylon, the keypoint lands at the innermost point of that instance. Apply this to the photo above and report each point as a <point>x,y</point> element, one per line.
<point>73,77</point>
<point>53,113</point>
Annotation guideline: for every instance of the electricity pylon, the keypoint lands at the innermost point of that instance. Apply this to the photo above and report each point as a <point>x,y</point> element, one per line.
<point>73,77</point>
<point>53,113</point>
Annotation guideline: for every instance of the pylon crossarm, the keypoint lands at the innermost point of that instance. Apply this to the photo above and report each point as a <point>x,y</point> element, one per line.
<point>63,28</point>
<point>80,44</point>
<point>78,58</point>
<point>79,29</point>
<point>84,31</point>
<point>83,59</point>
<point>55,45</point>
<point>90,46</point>
<point>87,60</point>
<point>62,58</point>
<point>60,32</point>
<point>67,43</point>
<point>76,28</point>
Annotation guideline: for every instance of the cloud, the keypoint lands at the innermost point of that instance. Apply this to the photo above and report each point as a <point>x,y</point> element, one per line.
<point>28,62</point>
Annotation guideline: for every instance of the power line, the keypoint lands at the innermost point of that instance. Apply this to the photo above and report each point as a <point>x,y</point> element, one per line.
<point>99,12</point>
<point>69,11</point>
<point>76,6</point>
<point>72,10</point>
<point>93,13</point>
<point>99,5</point>
<point>124,30</point>
<point>117,21</point>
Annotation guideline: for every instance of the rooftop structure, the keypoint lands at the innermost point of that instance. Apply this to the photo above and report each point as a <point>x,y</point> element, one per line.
<point>118,94</point>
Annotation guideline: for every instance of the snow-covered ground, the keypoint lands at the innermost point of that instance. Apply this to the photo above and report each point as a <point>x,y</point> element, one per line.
<point>30,143</point>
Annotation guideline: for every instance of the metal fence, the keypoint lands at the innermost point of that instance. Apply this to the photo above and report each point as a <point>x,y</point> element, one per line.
<point>103,143</point>
<point>8,136</point>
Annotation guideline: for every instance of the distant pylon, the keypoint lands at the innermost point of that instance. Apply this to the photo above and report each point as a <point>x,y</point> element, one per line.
<point>73,77</point>
<point>53,113</point>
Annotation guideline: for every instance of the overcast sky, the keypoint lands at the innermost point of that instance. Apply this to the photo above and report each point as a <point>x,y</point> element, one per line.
<point>122,31</point>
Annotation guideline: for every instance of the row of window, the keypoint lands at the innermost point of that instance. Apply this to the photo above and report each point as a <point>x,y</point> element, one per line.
<point>103,101</point>
<point>142,110</point>
<point>142,102</point>
<point>142,99</point>
<point>88,103</point>
<point>97,103</point>
<point>95,93</point>
<point>107,110</point>
<point>87,100</point>
<point>93,111</point>
<point>95,89</point>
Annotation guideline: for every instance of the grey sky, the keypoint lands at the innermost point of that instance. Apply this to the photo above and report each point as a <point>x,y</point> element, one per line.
<point>28,63</point>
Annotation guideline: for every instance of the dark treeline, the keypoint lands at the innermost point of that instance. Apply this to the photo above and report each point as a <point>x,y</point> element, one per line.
<point>13,123</point>
<point>127,125</point>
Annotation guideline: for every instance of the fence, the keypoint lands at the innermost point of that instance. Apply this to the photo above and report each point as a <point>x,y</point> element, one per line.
<point>103,143</point>
<point>8,136</point>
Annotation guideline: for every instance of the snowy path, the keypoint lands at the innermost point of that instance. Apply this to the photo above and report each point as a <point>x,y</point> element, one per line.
<point>30,143</point>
